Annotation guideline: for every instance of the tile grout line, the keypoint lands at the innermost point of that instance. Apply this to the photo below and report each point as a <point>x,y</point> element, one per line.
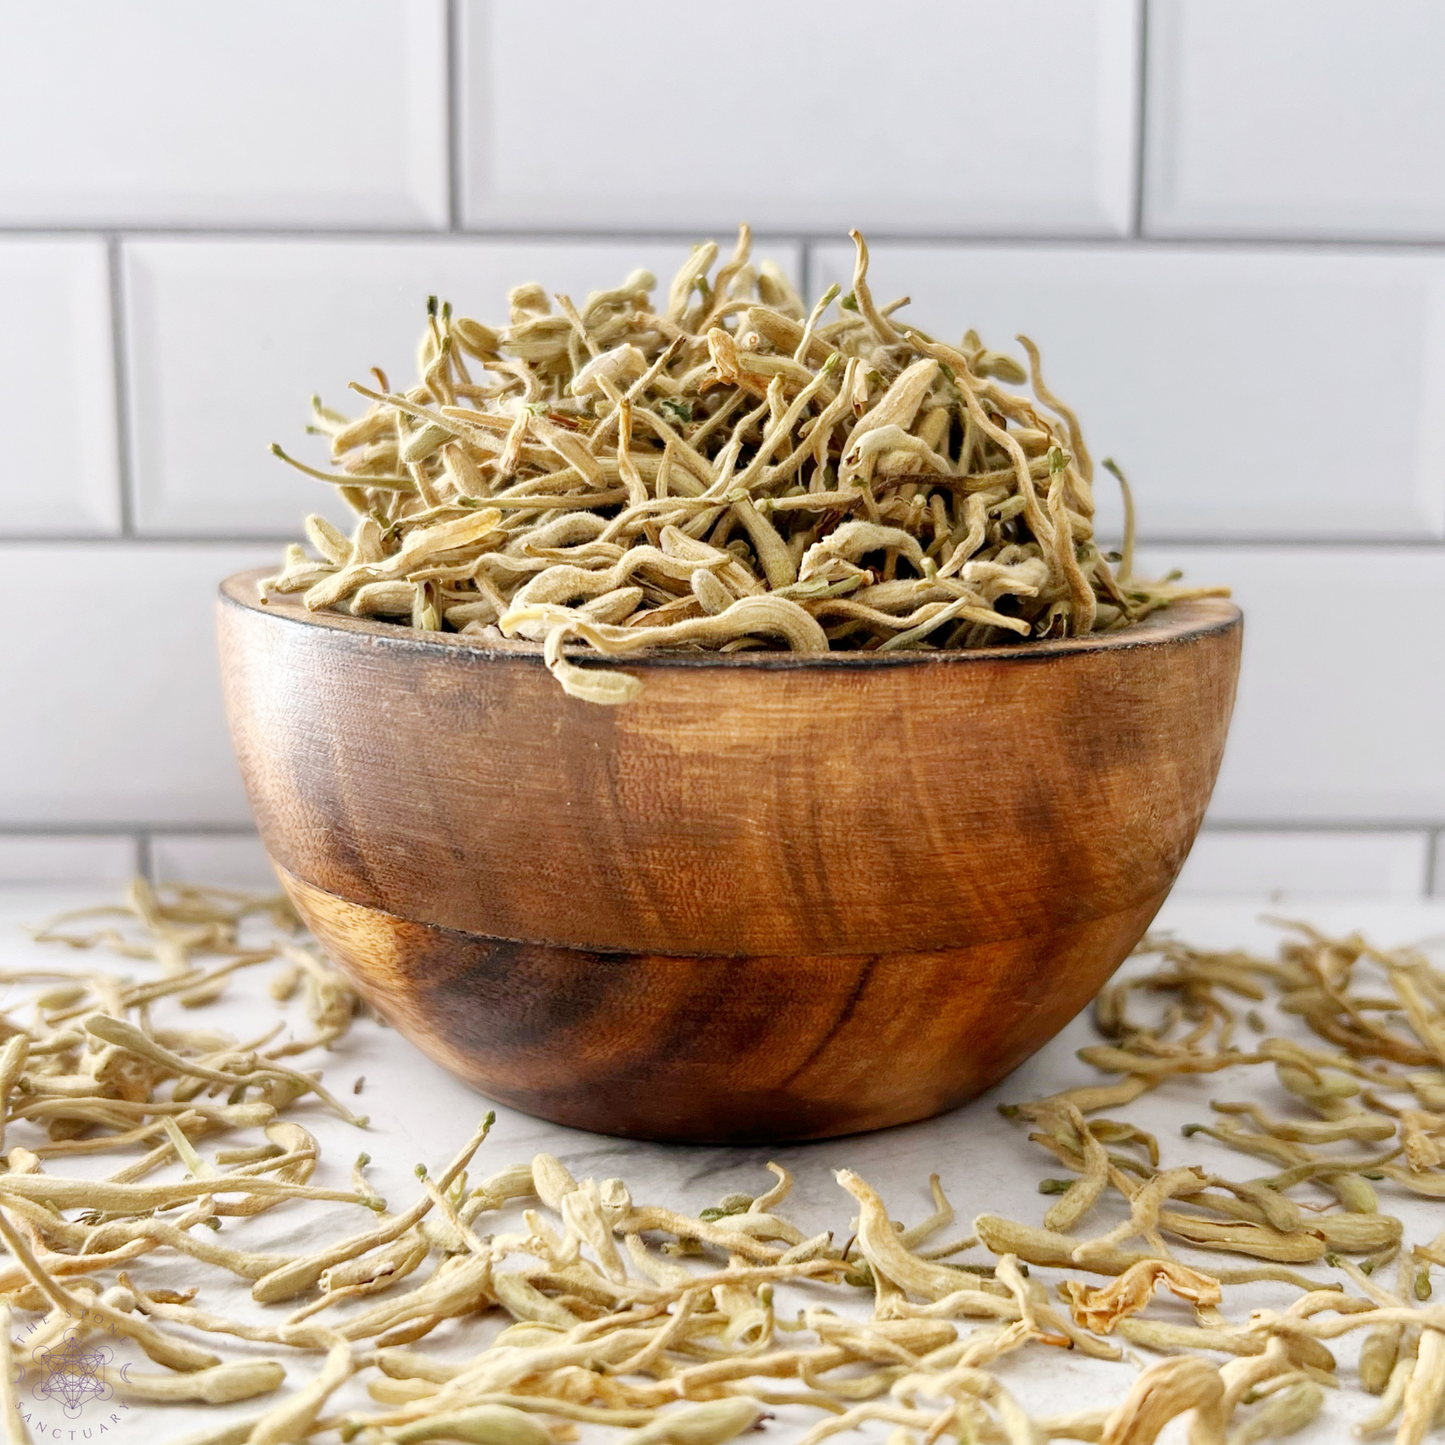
<point>1373,828</point>
<point>121,389</point>
<point>110,828</point>
<point>1141,122</point>
<point>145,856</point>
<point>1224,242</point>
<point>1432,863</point>
<point>1391,826</point>
<point>805,270</point>
<point>129,829</point>
<point>454,126</point>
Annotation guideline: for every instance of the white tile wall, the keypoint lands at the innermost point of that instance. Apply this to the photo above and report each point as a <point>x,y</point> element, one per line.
<point>162,113</point>
<point>1282,866</point>
<point>1342,690</point>
<point>114,713</point>
<point>58,468</point>
<point>271,181</point>
<point>918,115</point>
<point>36,858</point>
<point>229,339</point>
<point>235,860</point>
<point>1296,118</point>
<point>1214,376</point>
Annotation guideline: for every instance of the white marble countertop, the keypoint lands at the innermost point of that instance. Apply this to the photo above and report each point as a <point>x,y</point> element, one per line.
<point>419,1114</point>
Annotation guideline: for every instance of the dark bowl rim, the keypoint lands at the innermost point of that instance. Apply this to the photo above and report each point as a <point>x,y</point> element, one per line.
<point>1181,622</point>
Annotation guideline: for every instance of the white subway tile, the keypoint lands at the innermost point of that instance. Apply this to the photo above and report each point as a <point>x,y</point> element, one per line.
<point>1342,689</point>
<point>165,113</point>
<point>37,858</point>
<point>226,860</point>
<point>114,713</point>
<point>1281,866</point>
<point>229,339</point>
<point>1214,376</point>
<point>1317,118</point>
<point>57,389</point>
<point>957,115</point>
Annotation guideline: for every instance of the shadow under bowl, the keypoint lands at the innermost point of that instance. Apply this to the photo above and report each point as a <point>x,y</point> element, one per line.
<point>774,898</point>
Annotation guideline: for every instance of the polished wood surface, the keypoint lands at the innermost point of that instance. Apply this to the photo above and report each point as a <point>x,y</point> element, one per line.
<point>720,1049</point>
<point>773,897</point>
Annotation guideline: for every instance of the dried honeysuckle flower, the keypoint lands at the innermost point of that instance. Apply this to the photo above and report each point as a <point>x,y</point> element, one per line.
<point>488,1424</point>
<point>887,1255</point>
<point>1082,1194</point>
<point>712,1423</point>
<point>297,1275</point>
<point>1425,1389</point>
<point>15,1431</point>
<point>292,1420</point>
<point>1163,1392</point>
<point>220,1385</point>
<point>676,1331</point>
<point>1282,1413</point>
<point>1100,1309</point>
<point>848,451</point>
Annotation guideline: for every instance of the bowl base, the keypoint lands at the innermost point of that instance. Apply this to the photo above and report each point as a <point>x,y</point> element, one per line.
<point>720,1049</point>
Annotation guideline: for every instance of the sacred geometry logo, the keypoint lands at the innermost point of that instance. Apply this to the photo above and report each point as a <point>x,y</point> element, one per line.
<point>74,1373</point>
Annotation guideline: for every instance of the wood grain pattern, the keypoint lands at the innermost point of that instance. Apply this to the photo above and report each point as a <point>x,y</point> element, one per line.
<point>720,1050</point>
<point>896,876</point>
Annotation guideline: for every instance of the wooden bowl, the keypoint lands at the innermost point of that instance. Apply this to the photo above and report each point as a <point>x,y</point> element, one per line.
<point>776,897</point>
